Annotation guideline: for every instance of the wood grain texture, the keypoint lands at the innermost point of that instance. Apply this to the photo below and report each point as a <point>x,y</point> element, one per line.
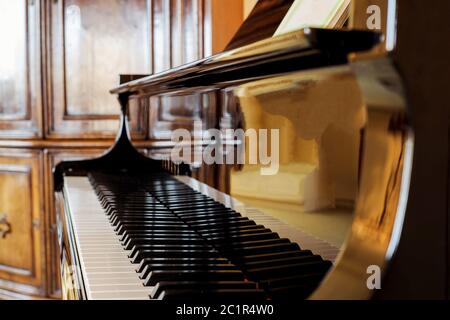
<point>20,73</point>
<point>21,252</point>
<point>91,43</point>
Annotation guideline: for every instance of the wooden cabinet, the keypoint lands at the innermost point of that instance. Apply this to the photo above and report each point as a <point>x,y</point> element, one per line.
<point>20,74</point>
<point>21,221</point>
<point>92,42</point>
<point>59,60</point>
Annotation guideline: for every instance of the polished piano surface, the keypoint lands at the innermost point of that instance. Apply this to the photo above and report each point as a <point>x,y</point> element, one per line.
<point>132,227</point>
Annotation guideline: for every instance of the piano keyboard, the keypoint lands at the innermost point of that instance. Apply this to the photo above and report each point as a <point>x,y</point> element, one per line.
<point>165,238</point>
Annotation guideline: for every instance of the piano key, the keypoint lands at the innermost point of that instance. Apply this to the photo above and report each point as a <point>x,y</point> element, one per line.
<point>199,253</point>
<point>284,261</point>
<point>179,248</point>
<point>162,241</point>
<point>115,269</point>
<point>285,281</point>
<point>243,238</point>
<point>289,269</point>
<point>142,227</point>
<point>181,267</point>
<point>212,295</point>
<point>193,275</point>
<point>205,285</point>
<point>147,261</point>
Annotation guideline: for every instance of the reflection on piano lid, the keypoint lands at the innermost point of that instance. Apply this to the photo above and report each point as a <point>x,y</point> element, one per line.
<point>124,211</point>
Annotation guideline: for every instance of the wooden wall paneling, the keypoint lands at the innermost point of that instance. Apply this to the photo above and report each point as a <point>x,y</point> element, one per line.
<point>20,73</point>
<point>186,30</point>
<point>22,259</point>
<point>161,35</point>
<point>91,43</point>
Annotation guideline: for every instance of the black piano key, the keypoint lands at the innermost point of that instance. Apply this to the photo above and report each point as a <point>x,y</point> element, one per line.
<point>199,253</point>
<point>177,247</point>
<point>285,261</point>
<point>193,275</point>
<point>128,224</point>
<point>236,295</point>
<point>207,260</point>
<point>229,233</point>
<point>286,281</point>
<point>188,266</point>
<point>163,241</point>
<point>141,218</point>
<point>221,224</point>
<point>187,216</point>
<point>235,253</point>
<point>251,244</point>
<point>224,226</point>
<point>204,286</point>
<point>243,238</point>
<point>227,220</point>
<point>289,269</point>
<point>156,226</point>
<point>111,211</point>
<point>272,255</point>
<point>158,233</point>
<point>199,206</point>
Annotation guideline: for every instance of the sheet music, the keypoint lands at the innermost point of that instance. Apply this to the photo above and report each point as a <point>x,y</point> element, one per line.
<point>313,13</point>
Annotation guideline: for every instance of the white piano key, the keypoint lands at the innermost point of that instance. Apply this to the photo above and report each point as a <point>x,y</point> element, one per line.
<point>106,268</point>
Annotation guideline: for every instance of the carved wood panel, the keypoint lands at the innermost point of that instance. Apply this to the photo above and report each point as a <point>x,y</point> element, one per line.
<point>21,221</point>
<point>20,76</point>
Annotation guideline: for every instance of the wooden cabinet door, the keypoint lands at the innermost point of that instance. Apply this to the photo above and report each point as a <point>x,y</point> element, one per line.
<point>20,75</point>
<point>21,223</point>
<point>92,42</point>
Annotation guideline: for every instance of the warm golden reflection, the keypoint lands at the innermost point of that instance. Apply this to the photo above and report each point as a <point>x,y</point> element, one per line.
<point>319,148</point>
<point>344,146</point>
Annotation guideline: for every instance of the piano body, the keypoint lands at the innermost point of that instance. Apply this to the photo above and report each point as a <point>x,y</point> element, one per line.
<point>133,227</point>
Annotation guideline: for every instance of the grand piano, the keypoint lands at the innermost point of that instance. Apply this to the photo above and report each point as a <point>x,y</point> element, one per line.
<point>134,227</point>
